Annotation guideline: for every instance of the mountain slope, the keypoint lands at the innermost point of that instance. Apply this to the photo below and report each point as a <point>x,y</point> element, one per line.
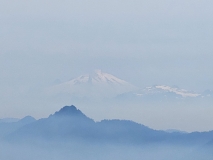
<point>97,84</point>
<point>9,127</point>
<point>158,92</point>
<point>68,133</point>
<point>70,124</point>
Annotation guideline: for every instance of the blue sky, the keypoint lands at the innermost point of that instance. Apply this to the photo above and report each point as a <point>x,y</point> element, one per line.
<point>143,42</point>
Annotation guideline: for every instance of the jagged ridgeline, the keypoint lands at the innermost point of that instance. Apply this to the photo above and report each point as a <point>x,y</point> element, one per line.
<point>70,133</point>
<point>70,123</point>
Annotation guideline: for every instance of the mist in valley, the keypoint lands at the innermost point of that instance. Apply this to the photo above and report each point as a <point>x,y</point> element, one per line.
<point>82,150</point>
<point>70,134</point>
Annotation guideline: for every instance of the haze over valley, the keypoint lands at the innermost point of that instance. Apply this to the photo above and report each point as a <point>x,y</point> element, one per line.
<point>70,133</point>
<point>109,79</point>
<point>102,95</point>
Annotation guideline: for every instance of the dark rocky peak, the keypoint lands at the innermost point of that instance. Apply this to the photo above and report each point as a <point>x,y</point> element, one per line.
<point>70,112</point>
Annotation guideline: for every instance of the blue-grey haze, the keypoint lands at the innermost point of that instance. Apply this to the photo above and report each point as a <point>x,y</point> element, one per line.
<point>143,42</point>
<point>70,134</point>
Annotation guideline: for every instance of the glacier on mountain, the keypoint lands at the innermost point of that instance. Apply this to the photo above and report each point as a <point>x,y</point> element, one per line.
<point>182,92</point>
<point>97,84</point>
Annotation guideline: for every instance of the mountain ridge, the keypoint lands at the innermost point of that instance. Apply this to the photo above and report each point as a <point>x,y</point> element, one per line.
<point>70,124</point>
<point>100,85</point>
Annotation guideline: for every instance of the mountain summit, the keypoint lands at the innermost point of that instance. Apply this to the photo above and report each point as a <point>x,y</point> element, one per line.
<point>98,84</point>
<point>99,77</point>
<point>69,111</point>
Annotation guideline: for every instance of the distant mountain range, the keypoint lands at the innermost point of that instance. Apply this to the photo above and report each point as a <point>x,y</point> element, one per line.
<point>163,92</point>
<point>104,85</point>
<point>69,132</point>
<point>70,123</point>
<point>9,125</point>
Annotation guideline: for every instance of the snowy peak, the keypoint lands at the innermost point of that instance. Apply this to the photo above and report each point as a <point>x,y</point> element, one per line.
<point>182,92</point>
<point>105,77</point>
<point>168,89</point>
<point>159,92</point>
<point>97,84</point>
<point>104,85</point>
<point>98,77</point>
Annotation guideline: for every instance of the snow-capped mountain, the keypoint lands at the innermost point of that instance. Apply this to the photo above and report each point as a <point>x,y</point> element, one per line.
<point>167,89</point>
<point>103,85</point>
<point>97,84</point>
<point>159,92</point>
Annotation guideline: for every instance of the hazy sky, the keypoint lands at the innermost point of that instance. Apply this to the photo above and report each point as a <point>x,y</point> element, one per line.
<point>143,42</point>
